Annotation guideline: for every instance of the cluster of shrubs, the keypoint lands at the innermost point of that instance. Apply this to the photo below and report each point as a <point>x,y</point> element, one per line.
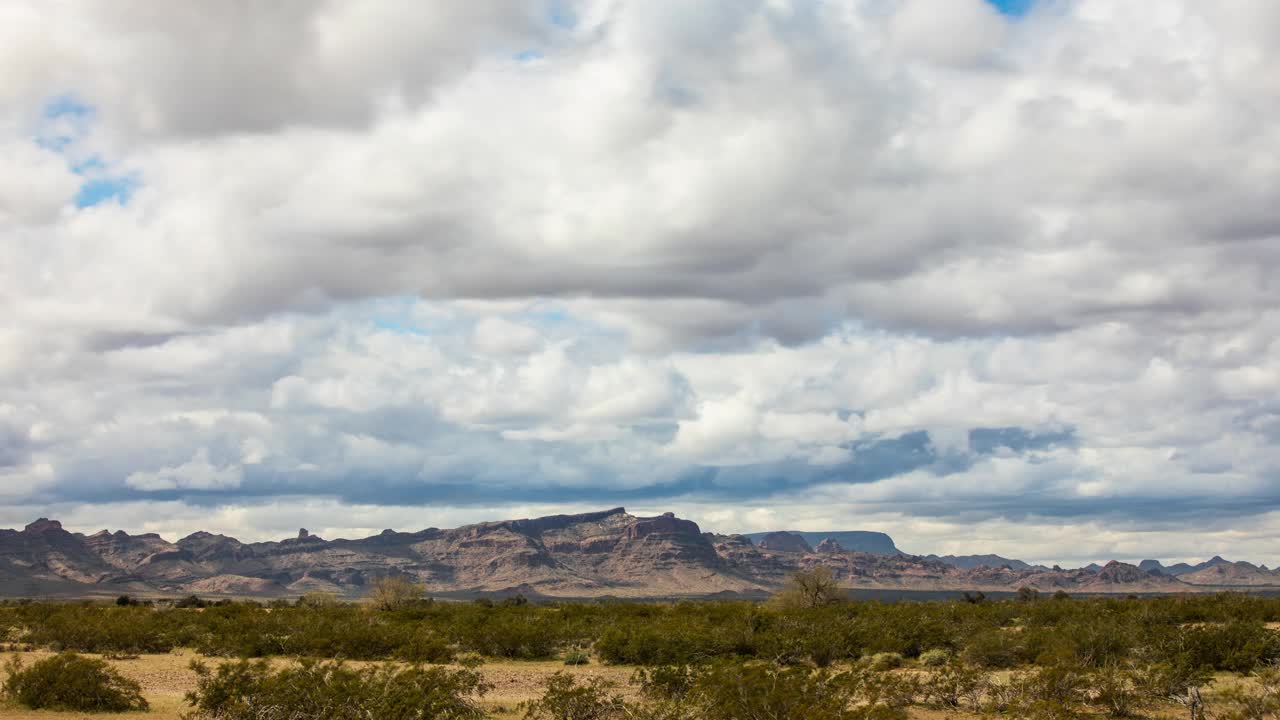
<point>68,681</point>
<point>725,690</point>
<point>807,655</point>
<point>1225,632</point>
<point>332,690</point>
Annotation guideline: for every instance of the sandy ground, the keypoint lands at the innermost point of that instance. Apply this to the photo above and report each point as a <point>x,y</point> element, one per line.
<point>165,679</point>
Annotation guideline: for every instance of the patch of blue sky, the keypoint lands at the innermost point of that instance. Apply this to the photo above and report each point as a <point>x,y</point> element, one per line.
<point>105,189</point>
<point>66,123</point>
<point>1014,8</point>
<point>531,55</point>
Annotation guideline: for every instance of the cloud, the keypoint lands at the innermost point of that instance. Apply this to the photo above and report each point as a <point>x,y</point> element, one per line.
<point>955,32</point>
<point>931,262</point>
<point>196,474</point>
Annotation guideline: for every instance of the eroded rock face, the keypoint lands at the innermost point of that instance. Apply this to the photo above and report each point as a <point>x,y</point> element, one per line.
<point>124,551</point>
<point>592,554</point>
<point>828,547</point>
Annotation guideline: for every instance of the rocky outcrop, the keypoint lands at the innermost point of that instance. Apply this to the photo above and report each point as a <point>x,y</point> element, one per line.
<point>784,542</point>
<point>871,543</point>
<point>124,551</point>
<point>43,550</point>
<point>828,547</point>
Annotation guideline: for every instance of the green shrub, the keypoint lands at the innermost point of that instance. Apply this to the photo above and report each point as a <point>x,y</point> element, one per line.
<point>565,699</point>
<point>728,692</point>
<point>995,649</point>
<point>577,657</point>
<point>955,685</point>
<point>426,646</point>
<point>1056,692</point>
<point>1116,689</point>
<point>732,691</point>
<point>1171,679</point>
<point>314,690</point>
<point>935,658</point>
<point>71,682</point>
<point>882,662</point>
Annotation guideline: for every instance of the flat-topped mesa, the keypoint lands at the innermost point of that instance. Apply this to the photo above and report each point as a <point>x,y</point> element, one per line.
<point>785,542</point>
<point>537,526</point>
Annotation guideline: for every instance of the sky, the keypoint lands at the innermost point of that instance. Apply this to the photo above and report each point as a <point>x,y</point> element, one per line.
<point>990,277</point>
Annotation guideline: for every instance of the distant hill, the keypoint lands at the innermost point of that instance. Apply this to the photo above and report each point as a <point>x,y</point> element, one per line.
<point>872,543</point>
<point>969,562</point>
<point>1185,569</point>
<point>1218,571</point>
<point>1177,569</point>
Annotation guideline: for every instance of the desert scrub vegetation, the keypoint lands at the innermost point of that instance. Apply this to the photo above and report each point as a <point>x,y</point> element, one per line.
<point>718,691</point>
<point>68,681</point>
<point>1222,633</point>
<point>332,690</point>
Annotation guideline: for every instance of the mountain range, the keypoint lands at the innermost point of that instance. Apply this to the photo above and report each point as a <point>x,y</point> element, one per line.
<point>609,553</point>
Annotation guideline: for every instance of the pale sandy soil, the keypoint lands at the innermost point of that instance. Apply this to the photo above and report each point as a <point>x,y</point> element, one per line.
<point>165,679</point>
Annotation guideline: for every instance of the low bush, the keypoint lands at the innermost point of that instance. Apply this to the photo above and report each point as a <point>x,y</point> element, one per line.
<point>955,685</point>
<point>564,698</point>
<point>882,662</point>
<point>68,681</point>
<point>1056,692</point>
<point>315,690</point>
<point>577,657</point>
<point>935,658</point>
<point>1117,690</point>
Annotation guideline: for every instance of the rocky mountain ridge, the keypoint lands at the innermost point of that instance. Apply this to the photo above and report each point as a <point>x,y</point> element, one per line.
<point>607,553</point>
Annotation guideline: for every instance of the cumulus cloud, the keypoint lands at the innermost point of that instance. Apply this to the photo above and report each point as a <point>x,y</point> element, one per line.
<point>914,257</point>
<point>195,474</point>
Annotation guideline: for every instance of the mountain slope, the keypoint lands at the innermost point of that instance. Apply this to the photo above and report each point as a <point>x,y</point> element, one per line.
<point>607,553</point>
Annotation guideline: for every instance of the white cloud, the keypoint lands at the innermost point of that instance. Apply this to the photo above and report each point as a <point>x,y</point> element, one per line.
<point>198,473</point>
<point>954,32</point>
<point>499,336</point>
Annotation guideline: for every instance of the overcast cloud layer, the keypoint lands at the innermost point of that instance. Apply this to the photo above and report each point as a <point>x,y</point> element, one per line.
<point>985,282</point>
